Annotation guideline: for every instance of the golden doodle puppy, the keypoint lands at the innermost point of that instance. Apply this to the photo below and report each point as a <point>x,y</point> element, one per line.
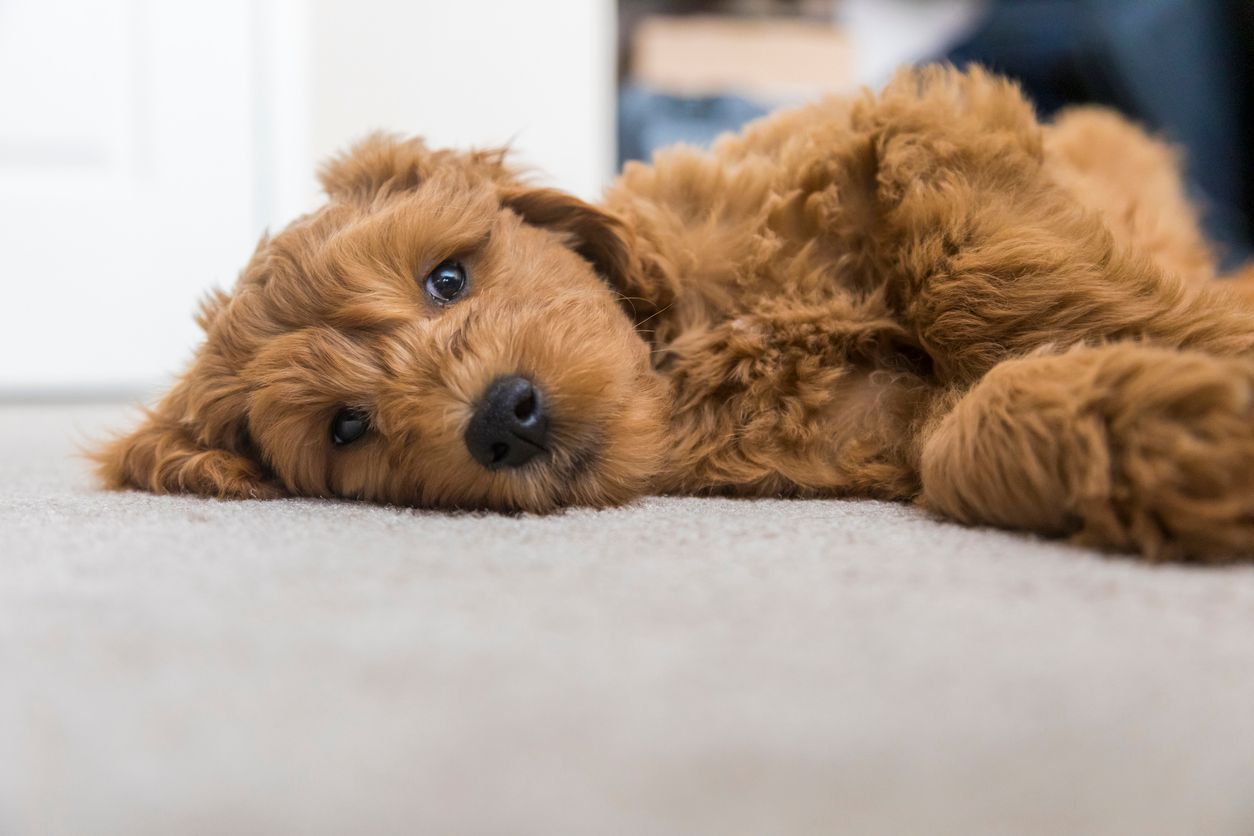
<point>921,295</point>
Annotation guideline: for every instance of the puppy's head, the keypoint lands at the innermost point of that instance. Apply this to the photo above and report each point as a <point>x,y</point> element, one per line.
<point>439,334</point>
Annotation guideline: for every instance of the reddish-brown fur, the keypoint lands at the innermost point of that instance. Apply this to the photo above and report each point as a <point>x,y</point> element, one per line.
<point>920,295</point>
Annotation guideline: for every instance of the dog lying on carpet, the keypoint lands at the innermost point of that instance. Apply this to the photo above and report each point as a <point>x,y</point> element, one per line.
<point>920,295</point>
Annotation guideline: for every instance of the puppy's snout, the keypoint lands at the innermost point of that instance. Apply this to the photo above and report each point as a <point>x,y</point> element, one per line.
<point>510,424</point>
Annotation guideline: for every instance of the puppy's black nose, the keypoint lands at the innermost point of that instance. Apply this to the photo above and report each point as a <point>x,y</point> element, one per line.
<point>510,424</point>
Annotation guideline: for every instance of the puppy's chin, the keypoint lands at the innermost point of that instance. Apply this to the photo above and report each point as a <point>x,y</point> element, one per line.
<point>558,481</point>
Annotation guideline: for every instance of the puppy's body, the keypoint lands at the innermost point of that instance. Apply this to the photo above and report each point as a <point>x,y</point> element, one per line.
<point>920,295</point>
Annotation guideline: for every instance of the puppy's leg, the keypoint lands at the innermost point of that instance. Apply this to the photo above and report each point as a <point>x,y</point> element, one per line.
<point>1134,182</point>
<point>987,257</point>
<point>1124,447</point>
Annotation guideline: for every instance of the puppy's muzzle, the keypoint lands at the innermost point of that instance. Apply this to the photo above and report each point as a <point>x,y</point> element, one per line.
<point>510,425</point>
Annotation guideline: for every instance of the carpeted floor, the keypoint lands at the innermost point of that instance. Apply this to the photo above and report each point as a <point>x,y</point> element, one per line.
<point>173,665</point>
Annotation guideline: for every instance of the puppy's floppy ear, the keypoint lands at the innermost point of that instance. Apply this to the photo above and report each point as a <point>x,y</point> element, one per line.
<point>595,234</point>
<point>164,455</point>
<point>383,163</point>
<point>194,441</point>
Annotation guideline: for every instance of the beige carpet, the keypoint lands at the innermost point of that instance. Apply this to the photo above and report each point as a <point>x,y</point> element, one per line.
<point>173,665</point>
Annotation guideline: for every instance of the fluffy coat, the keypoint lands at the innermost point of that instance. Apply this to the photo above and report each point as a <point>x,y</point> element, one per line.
<point>922,295</point>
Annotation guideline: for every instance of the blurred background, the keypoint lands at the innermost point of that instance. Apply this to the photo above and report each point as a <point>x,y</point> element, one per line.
<point>145,145</point>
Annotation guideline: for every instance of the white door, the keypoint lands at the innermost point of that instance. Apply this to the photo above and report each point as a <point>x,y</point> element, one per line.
<point>127,182</point>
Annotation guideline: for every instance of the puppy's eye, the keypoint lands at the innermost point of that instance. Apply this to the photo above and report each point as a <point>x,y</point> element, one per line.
<point>348,426</point>
<point>447,282</point>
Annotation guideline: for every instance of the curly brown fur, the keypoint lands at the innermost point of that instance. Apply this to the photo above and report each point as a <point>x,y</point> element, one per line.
<point>923,294</point>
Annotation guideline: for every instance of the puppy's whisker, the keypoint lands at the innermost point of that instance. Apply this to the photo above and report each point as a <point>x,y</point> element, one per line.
<point>655,314</point>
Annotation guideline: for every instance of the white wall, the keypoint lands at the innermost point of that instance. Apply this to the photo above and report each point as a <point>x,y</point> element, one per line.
<point>536,73</point>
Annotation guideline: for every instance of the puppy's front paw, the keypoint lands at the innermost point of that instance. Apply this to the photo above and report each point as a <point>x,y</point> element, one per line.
<point>1182,465</point>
